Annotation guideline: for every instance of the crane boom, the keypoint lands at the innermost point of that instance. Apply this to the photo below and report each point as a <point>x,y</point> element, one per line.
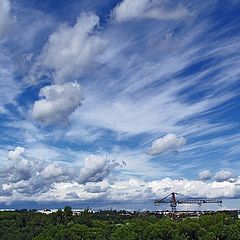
<point>171,198</point>
<point>199,201</point>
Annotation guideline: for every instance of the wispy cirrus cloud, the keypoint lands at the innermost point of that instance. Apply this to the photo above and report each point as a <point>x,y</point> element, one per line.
<point>9,87</point>
<point>144,85</point>
<point>5,17</point>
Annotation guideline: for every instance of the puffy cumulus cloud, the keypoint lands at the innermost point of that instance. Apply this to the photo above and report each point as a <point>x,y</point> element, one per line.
<point>5,17</point>
<point>21,170</point>
<point>16,154</point>
<point>143,190</point>
<point>68,52</point>
<point>168,143</point>
<point>137,190</point>
<point>71,49</point>
<point>205,175</point>
<point>96,168</point>
<point>132,9</point>
<point>39,180</point>
<point>33,176</point>
<point>223,175</point>
<point>131,189</point>
<point>196,188</point>
<point>58,102</point>
<point>52,170</point>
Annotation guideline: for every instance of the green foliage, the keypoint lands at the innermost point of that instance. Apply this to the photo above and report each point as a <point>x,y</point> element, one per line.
<point>113,225</point>
<point>68,211</point>
<point>123,232</point>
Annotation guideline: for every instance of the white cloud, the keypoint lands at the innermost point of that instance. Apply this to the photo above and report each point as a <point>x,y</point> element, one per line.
<point>97,187</point>
<point>58,102</point>
<point>9,87</point>
<point>144,96</point>
<point>72,49</point>
<point>132,9</point>
<point>96,169</point>
<point>68,52</point>
<point>5,18</point>
<point>165,107</point>
<point>38,180</point>
<point>223,175</point>
<point>135,190</point>
<point>16,154</point>
<point>170,142</point>
<point>138,189</point>
<point>52,170</point>
<point>205,175</point>
<point>28,175</point>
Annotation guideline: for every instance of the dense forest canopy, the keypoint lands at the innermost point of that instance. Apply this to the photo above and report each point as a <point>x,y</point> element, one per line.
<point>114,225</point>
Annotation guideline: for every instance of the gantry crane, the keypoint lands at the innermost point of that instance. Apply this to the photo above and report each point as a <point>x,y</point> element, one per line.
<point>171,198</point>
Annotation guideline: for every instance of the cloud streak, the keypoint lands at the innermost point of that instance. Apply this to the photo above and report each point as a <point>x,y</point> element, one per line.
<point>5,17</point>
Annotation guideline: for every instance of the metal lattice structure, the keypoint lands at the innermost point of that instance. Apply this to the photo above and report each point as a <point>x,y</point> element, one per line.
<point>172,199</point>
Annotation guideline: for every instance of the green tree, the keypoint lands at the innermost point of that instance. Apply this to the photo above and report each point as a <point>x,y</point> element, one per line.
<point>68,211</point>
<point>123,232</point>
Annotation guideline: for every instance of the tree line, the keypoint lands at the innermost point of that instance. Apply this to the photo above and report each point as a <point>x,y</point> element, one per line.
<point>115,225</point>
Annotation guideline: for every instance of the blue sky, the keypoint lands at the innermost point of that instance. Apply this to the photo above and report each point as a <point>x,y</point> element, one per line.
<point>111,101</point>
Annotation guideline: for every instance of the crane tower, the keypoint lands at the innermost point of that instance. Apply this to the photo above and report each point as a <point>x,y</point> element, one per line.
<point>172,199</point>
